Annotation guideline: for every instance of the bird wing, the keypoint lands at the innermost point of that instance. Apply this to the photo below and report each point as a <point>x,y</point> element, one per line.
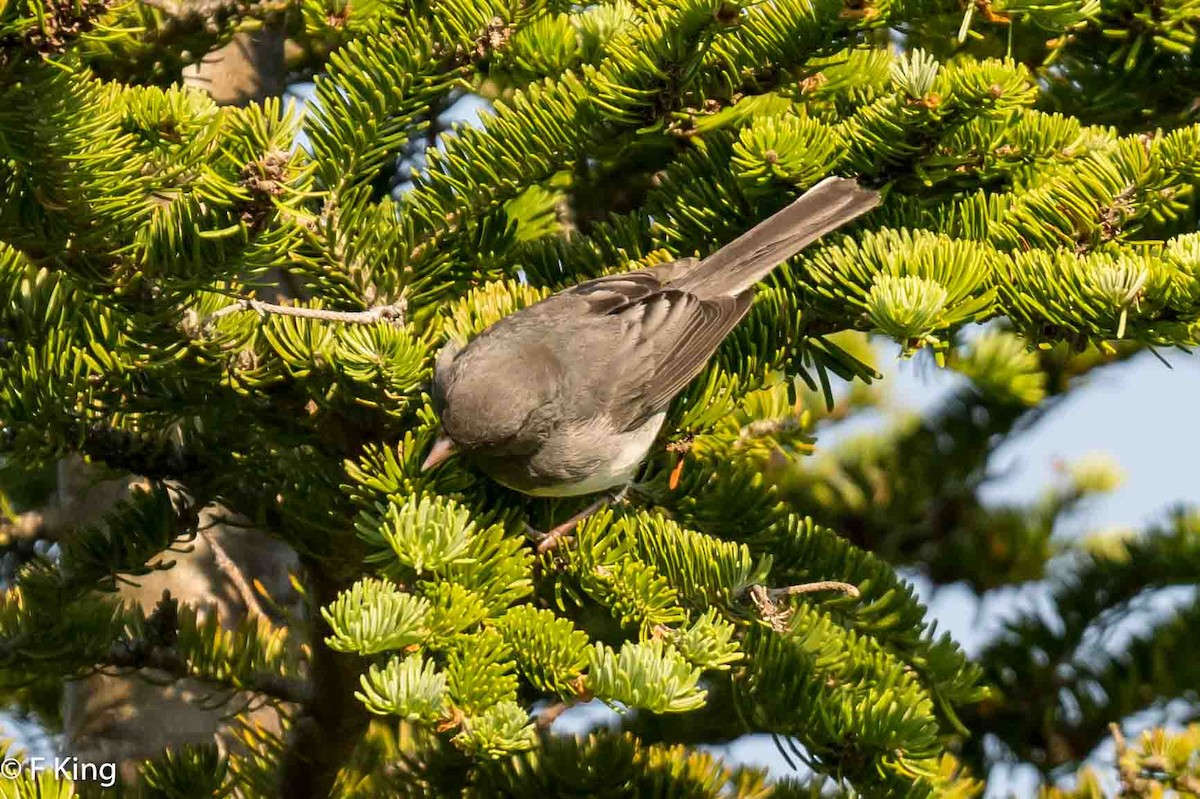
<point>666,335</point>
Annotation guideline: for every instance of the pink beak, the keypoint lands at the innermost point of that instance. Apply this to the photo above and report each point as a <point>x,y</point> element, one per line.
<point>443,448</point>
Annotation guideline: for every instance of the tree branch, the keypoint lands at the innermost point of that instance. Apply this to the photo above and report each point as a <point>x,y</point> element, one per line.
<point>765,599</point>
<point>811,588</point>
<point>166,659</point>
<point>394,313</point>
<point>142,454</point>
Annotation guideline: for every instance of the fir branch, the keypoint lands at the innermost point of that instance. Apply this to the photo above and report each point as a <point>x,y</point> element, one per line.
<point>126,655</point>
<point>76,635</point>
<point>143,454</point>
<point>152,41</point>
<point>127,205</point>
<point>817,681</point>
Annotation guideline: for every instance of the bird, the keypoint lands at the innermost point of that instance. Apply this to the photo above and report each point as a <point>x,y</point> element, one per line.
<point>566,396</point>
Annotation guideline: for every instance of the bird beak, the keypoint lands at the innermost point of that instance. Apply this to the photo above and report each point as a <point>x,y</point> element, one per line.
<point>443,448</point>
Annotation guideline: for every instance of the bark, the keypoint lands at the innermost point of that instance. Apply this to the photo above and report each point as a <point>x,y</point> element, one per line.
<point>329,726</point>
<point>248,69</point>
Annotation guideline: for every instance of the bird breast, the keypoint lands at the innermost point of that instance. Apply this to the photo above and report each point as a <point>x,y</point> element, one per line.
<point>614,456</point>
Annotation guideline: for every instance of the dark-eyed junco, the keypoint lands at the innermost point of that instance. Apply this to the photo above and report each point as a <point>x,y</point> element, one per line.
<point>566,396</point>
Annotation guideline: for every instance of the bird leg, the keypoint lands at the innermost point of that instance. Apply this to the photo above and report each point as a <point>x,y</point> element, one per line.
<point>549,540</point>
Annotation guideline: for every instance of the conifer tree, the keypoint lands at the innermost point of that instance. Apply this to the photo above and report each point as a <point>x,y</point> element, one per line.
<point>1038,163</point>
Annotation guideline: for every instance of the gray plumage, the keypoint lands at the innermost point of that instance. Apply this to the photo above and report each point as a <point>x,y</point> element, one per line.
<point>565,397</point>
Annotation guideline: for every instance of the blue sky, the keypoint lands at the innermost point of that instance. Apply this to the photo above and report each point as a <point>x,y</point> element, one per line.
<point>1139,413</point>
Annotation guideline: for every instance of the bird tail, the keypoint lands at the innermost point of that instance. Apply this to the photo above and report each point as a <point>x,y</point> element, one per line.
<point>749,258</point>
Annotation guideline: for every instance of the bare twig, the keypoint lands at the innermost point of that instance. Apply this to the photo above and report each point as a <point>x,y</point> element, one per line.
<point>777,615</point>
<point>1127,770</point>
<point>548,716</point>
<point>394,313</point>
<point>810,588</point>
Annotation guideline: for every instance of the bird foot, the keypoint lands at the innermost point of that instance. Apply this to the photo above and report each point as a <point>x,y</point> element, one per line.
<point>550,539</point>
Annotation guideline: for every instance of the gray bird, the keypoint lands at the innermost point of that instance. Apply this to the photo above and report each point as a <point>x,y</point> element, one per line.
<point>565,397</point>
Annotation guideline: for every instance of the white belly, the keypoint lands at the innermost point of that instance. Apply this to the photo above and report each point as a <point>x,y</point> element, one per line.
<point>617,471</point>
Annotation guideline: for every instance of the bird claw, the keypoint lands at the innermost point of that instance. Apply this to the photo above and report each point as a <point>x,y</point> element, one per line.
<point>546,541</point>
<point>549,540</point>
